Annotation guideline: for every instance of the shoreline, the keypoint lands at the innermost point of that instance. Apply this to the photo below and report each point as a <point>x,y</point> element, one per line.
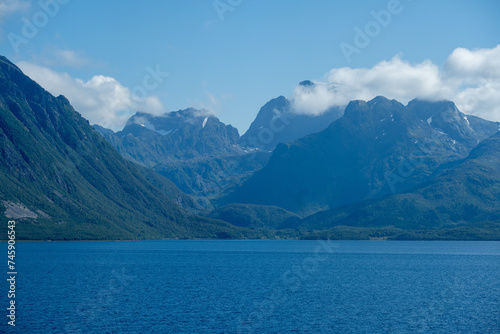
<point>280,239</point>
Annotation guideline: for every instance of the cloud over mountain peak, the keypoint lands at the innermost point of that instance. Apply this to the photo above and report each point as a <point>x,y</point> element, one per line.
<point>471,78</point>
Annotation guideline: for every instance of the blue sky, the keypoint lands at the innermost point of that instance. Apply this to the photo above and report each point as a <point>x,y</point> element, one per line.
<point>232,56</point>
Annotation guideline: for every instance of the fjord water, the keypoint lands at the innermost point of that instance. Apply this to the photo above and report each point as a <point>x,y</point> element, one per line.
<point>257,287</point>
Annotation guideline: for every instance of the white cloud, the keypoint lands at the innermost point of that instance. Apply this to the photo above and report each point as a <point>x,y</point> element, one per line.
<point>102,100</point>
<point>470,78</point>
<point>314,99</point>
<point>474,66</point>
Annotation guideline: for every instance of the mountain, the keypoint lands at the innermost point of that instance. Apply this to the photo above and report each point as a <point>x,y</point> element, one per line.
<point>62,180</point>
<point>194,149</point>
<point>203,156</point>
<point>179,135</point>
<point>376,148</point>
<point>277,122</point>
<point>466,193</point>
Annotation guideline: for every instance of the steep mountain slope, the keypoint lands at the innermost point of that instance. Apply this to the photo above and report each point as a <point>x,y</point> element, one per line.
<point>469,192</point>
<point>277,123</point>
<point>377,148</point>
<point>62,180</point>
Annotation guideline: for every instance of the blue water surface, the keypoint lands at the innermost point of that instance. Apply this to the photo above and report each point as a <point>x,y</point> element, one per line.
<point>255,287</point>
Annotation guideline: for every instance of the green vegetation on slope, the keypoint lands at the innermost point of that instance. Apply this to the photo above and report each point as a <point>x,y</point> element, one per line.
<point>54,163</point>
<point>467,192</point>
<point>485,231</point>
<point>255,216</point>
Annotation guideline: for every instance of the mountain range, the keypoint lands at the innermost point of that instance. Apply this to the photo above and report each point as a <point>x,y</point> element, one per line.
<point>374,169</point>
<point>200,154</point>
<point>62,180</point>
<point>376,148</point>
<point>205,157</point>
